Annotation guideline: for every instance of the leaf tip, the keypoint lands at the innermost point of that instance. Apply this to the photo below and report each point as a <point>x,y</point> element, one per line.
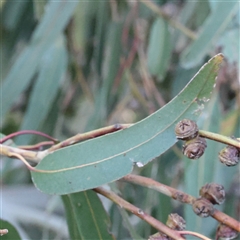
<point>218,58</point>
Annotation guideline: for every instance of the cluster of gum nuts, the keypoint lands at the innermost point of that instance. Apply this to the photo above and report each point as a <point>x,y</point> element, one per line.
<point>210,193</point>
<point>195,145</point>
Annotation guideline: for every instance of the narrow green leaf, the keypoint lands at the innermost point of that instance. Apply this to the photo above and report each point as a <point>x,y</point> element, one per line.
<point>211,30</point>
<point>12,13</point>
<point>38,7</point>
<point>132,231</point>
<point>110,69</point>
<point>101,30</point>
<point>52,67</point>
<point>159,49</point>
<point>12,231</point>
<point>105,159</point>
<point>53,23</point>
<point>86,216</point>
<point>70,217</point>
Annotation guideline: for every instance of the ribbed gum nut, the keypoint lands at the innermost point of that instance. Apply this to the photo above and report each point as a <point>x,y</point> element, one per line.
<point>176,222</point>
<point>214,192</point>
<point>202,207</point>
<point>194,148</point>
<point>224,232</point>
<point>229,156</point>
<point>186,129</point>
<point>158,236</point>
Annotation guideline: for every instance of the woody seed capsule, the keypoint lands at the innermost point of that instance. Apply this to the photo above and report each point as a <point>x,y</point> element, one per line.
<point>159,236</point>
<point>202,207</point>
<point>214,192</point>
<point>176,222</point>
<point>229,156</point>
<point>224,232</point>
<point>194,148</point>
<point>186,129</point>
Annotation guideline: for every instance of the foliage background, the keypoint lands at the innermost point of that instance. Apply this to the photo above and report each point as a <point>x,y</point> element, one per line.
<point>69,67</point>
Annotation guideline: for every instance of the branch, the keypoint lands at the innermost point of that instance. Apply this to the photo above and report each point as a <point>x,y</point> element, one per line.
<point>23,132</point>
<point>36,157</point>
<point>30,155</point>
<point>140,213</point>
<point>172,22</point>
<point>220,138</point>
<point>180,196</point>
<point>88,135</point>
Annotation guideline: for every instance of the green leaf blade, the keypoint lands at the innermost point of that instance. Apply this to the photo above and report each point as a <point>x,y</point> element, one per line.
<point>211,30</point>
<point>88,216</point>
<point>159,49</point>
<point>108,158</point>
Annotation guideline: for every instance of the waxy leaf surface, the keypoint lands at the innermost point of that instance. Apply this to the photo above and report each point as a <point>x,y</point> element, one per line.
<point>105,159</point>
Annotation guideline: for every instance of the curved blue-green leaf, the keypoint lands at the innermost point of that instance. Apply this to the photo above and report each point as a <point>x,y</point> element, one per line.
<point>211,30</point>
<point>105,159</point>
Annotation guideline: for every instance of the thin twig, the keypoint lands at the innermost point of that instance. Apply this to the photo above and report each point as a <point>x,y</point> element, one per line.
<point>219,138</point>
<point>180,196</point>
<point>88,135</point>
<point>195,235</point>
<point>140,213</point>
<point>36,146</point>
<point>135,91</point>
<point>23,132</point>
<point>35,157</point>
<point>166,190</point>
<point>172,22</point>
<point>23,160</point>
<point>225,219</point>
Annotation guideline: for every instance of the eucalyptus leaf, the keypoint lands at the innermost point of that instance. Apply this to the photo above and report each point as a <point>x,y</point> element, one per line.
<point>215,24</point>
<point>159,49</point>
<point>86,216</point>
<point>105,159</point>
<point>52,67</point>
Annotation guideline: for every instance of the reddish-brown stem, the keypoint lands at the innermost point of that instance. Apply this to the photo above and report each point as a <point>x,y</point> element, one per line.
<point>140,213</point>
<point>151,5</point>
<point>166,190</point>
<point>180,196</point>
<point>23,132</point>
<point>23,160</point>
<point>225,219</point>
<point>36,146</point>
<point>88,135</point>
<point>126,63</point>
